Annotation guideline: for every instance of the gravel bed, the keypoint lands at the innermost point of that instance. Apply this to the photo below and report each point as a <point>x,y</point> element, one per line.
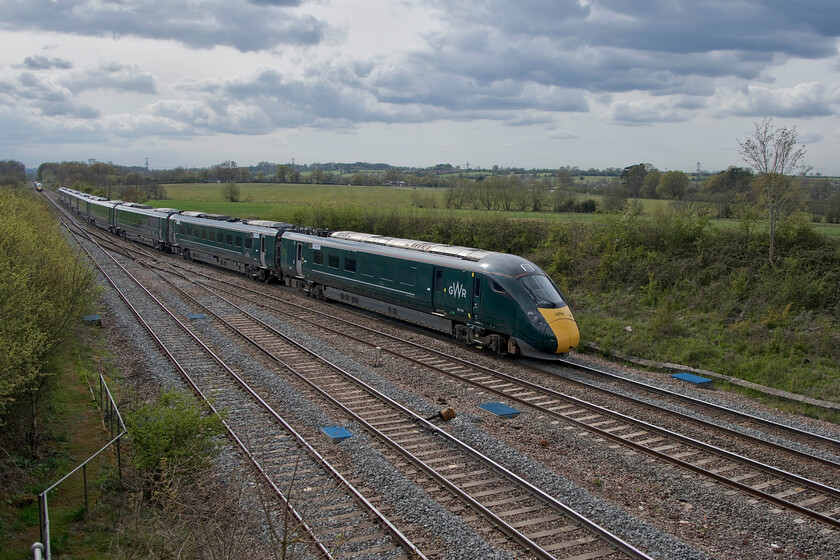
<point>729,400</point>
<point>755,451</point>
<point>466,428</point>
<point>721,523</point>
<point>370,466</point>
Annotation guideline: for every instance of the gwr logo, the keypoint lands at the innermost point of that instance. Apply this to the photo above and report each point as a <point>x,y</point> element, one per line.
<point>457,290</point>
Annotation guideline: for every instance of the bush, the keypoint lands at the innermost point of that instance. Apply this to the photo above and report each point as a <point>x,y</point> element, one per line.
<point>172,435</point>
<point>44,289</point>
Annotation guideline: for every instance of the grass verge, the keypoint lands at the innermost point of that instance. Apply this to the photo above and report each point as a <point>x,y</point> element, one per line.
<point>73,431</point>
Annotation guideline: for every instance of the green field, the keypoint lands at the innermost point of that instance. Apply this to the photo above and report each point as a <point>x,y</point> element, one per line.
<point>264,200</point>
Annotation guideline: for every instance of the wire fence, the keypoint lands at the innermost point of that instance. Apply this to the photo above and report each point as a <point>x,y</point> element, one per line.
<point>114,423</point>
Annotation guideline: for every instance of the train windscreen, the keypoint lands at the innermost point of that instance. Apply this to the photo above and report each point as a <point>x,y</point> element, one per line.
<point>543,291</point>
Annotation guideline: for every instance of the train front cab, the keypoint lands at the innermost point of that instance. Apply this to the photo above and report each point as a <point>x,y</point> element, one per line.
<point>529,308</point>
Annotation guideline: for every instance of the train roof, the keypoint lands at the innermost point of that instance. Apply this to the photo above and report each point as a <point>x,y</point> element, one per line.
<point>208,216</point>
<point>270,224</point>
<point>100,201</point>
<point>465,253</point>
<point>139,209</point>
<point>218,224</point>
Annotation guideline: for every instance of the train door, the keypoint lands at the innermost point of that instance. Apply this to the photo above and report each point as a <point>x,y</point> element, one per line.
<point>476,298</point>
<point>299,259</point>
<point>453,290</point>
<point>262,250</point>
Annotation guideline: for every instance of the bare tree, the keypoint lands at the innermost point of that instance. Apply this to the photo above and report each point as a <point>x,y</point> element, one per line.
<point>773,153</point>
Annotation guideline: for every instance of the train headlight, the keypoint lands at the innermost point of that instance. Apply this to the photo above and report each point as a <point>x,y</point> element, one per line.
<point>535,317</point>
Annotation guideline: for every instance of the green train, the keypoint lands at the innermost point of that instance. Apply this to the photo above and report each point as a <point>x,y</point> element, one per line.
<point>494,300</point>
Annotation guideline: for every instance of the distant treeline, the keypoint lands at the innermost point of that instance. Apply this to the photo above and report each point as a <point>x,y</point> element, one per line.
<point>732,193</point>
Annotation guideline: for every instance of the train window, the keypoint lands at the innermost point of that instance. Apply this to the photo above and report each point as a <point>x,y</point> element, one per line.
<point>203,233</point>
<point>238,241</point>
<point>366,268</point>
<point>350,265</point>
<point>408,277</point>
<point>249,243</point>
<point>189,231</point>
<point>318,258</point>
<point>496,287</point>
<point>438,281</point>
<point>543,291</point>
<point>332,261</point>
<point>477,287</point>
<point>229,239</point>
<point>386,274</point>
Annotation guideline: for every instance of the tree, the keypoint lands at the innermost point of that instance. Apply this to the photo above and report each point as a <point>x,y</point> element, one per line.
<point>672,185</point>
<point>832,209</point>
<point>650,183</point>
<point>12,172</point>
<point>773,153</point>
<point>615,197</point>
<point>317,175</point>
<point>230,191</point>
<point>44,289</point>
<point>634,176</point>
<point>563,179</point>
<point>282,173</point>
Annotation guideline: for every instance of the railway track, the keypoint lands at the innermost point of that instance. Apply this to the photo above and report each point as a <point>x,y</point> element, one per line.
<point>282,456</point>
<point>539,524</point>
<point>504,504</point>
<point>722,414</point>
<point>771,484</point>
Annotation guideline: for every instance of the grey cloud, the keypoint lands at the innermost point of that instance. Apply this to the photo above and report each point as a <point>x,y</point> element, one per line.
<point>44,96</point>
<point>30,92</point>
<point>243,25</point>
<point>641,113</point>
<point>662,47</point>
<point>112,75</point>
<point>803,101</point>
<point>338,96</point>
<point>45,63</point>
<point>284,3</point>
<point>806,137</point>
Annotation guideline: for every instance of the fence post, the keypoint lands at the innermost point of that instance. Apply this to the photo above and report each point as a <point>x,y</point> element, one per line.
<point>84,475</point>
<point>45,527</point>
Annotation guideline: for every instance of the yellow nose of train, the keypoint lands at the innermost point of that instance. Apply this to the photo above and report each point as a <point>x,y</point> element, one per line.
<point>562,325</point>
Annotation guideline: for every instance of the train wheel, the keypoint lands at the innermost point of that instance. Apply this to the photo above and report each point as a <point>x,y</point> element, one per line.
<point>497,344</point>
<point>462,334</point>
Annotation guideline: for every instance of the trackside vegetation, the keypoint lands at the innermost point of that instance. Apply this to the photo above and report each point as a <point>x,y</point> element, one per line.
<point>44,289</point>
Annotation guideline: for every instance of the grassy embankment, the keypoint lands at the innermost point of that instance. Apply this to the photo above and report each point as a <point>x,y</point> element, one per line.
<point>73,431</point>
<point>662,286</point>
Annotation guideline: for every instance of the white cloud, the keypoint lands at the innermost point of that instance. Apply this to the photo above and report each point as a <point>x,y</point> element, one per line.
<point>800,101</point>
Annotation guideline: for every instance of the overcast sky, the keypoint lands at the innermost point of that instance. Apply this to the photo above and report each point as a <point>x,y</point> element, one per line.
<point>522,83</point>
